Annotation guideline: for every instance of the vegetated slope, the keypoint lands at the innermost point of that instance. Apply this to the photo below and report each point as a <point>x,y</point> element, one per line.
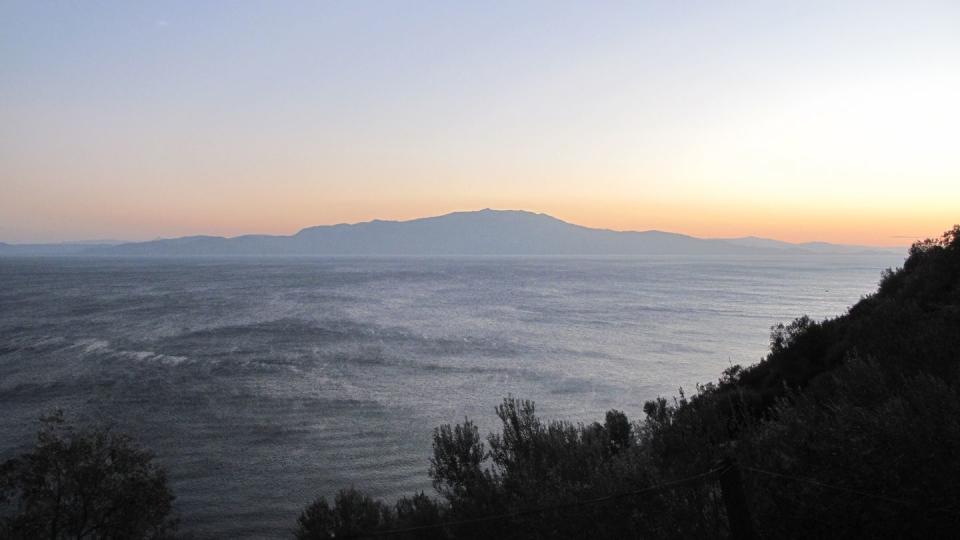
<point>911,324</point>
<point>850,428</point>
<point>868,402</point>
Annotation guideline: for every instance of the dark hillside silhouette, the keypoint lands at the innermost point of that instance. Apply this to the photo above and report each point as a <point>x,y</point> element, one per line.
<point>850,428</point>
<point>910,325</point>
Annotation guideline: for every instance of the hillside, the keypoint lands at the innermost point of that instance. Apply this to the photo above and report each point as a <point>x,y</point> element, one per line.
<point>850,428</point>
<point>911,324</point>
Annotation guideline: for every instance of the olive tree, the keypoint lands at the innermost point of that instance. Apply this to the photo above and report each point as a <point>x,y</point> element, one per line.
<point>91,483</point>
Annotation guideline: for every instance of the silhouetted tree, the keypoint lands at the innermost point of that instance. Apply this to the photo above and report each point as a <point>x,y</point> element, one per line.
<point>352,514</point>
<point>618,431</point>
<point>83,484</point>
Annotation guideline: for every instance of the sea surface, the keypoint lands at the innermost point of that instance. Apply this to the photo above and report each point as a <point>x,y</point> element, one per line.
<point>263,383</point>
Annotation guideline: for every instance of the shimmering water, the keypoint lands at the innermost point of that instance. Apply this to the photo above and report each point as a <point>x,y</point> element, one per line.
<point>261,383</point>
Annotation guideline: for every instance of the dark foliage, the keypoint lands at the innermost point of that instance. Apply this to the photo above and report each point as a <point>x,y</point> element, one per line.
<point>354,513</point>
<point>910,325</point>
<point>83,484</point>
<point>849,428</point>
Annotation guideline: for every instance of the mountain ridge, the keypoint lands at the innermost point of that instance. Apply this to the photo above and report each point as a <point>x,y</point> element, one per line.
<point>480,232</point>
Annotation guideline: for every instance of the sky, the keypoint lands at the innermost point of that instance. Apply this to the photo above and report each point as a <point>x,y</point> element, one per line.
<point>832,121</point>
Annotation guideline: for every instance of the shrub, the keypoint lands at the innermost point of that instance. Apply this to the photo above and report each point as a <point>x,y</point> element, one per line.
<point>83,484</point>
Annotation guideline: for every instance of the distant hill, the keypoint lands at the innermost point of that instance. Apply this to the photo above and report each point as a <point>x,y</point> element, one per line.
<point>484,232</point>
<point>65,248</point>
<point>816,247</point>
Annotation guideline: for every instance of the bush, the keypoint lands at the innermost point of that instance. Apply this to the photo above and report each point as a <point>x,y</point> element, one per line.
<point>83,484</point>
<point>896,438</point>
<point>353,514</point>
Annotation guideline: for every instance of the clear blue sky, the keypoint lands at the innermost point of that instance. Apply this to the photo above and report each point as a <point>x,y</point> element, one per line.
<point>826,120</point>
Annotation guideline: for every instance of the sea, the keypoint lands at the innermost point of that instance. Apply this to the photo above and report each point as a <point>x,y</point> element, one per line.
<point>263,383</point>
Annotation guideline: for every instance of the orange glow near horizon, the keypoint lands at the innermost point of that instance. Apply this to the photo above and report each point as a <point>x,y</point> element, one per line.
<point>837,124</point>
<point>791,225</point>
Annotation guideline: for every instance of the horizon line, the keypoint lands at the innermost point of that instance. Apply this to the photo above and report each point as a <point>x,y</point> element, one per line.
<point>117,241</point>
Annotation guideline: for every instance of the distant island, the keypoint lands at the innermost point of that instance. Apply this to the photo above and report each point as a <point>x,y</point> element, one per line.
<point>483,232</point>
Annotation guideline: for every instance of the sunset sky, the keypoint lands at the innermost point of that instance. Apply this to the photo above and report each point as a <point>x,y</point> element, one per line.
<point>792,120</point>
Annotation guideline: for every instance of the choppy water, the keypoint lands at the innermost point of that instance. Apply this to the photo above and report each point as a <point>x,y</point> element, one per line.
<point>261,383</point>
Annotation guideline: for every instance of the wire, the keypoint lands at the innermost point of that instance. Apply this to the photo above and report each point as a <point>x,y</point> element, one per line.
<point>830,486</point>
<point>521,513</point>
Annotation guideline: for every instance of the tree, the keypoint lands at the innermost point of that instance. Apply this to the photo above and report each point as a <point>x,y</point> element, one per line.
<point>83,484</point>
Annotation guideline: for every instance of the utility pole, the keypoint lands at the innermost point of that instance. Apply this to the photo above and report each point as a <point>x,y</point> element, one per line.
<point>735,501</point>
